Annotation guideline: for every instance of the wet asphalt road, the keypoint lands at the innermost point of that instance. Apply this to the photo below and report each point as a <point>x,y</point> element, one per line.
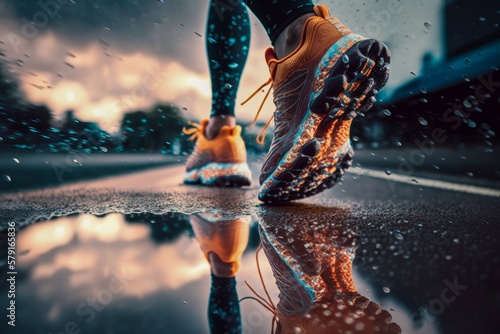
<point>430,256</point>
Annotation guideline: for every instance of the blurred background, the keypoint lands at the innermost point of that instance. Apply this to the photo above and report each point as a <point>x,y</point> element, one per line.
<point>106,86</point>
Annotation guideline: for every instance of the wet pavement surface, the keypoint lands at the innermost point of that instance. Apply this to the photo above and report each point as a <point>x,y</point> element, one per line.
<point>128,254</point>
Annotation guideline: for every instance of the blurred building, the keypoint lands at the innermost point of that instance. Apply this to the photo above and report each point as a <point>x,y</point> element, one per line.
<point>459,94</point>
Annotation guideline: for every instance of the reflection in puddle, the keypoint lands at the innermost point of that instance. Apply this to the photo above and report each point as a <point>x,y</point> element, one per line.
<point>143,272</point>
<point>312,264</point>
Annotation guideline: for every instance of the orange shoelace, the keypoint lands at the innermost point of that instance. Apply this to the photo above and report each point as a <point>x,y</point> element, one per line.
<point>267,304</point>
<point>193,132</point>
<point>262,135</point>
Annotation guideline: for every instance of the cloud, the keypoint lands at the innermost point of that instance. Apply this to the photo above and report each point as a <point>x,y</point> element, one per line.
<point>96,56</point>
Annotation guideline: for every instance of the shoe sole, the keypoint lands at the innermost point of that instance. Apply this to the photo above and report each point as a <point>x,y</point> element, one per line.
<point>220,175</point>
<point>350,73</point>
<point>288,272</point>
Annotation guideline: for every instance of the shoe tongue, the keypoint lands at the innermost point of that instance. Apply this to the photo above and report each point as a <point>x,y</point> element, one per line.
<point>322,10</point>
<point>270,55</point>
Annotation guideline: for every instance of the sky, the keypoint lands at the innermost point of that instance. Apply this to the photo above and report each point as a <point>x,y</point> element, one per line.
<point>102,58</point>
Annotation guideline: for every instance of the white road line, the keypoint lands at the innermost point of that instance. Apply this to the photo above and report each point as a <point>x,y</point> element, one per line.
<point>424,182</point>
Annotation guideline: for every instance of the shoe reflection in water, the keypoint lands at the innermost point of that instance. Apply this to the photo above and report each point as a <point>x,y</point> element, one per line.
<point>312,265</point>
<point>223,241</point>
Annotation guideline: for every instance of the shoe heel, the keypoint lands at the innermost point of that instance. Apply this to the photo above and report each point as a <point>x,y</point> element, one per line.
<point>225,174</point>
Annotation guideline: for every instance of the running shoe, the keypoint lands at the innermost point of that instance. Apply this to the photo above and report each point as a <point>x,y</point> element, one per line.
<point>221,161</point>
<point>227,237</point>
<point>332,76</point>
<point>325,299</point>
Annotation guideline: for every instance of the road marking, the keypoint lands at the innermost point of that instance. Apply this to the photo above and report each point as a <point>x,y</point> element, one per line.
<point>424,182</point>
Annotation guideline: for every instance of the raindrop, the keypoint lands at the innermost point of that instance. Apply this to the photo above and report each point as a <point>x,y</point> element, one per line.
<point>160,1</point>
<point>16,160</point>
<point>7,178</point>
<point>387,171</point>
<point>398,143</point>
<point>423,90</point>
<point>386,289</point>
<point>422,121</point>
<point>413,73</point>
<point>381,61</point>
<point>77,162</point>
<point>197,33</point>
<point>466,77</point>
<point>398,236</point>
<point>467,104</point>
<point>233,65</point>
<point>228,86</point>
<point>423,100</point>
<point>428,25</point>
<point>211,40</point>
<point>482,19</point>
<point>456,241</point>
<point>468,61</point>
<point>413,180</point>
<point>184,302</point>
<point>448,257</point>
<point>386,112</point>
<point>470,174</point>
<point>345,59</point>
<point>354,138</point>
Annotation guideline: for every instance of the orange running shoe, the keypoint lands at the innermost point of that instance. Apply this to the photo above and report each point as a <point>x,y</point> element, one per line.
<point>227,237</point>
<point>221,161</point>
<point>312,265</point>
<point>319,88</point>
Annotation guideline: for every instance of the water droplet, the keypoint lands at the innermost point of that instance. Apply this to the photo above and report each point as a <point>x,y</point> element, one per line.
<point>466,77</point>
<point>423,90</point>
<point>386,289</point>
<point>467,104</point>
<point>386,112</point>
<point>468,61</point>
<point>233,65</point>
<point>456,241</point>
<point>482,19</point>
<point>228,86</point>
<point>470,174</point>
<point>423,100</point>
<point>428,25</point>
<point>345,59</point>
<point>354,138</point>
<point>16,160</point>
<point>184,302</point>
<point>422,121</point>
<point>77,162</point>
<point>414,180</point>
<point>7,178</point>
<point>398,143</point>
<point>387,171</point>
<point>211,40</point>
<point>448,257</point>
<point>413,73</point>
<point>381,61</point>
<point>398,236</point>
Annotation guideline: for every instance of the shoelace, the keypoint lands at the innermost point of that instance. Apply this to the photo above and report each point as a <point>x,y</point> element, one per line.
<point>193,132</point>
<point>267,304</point>
<point>262,135</point>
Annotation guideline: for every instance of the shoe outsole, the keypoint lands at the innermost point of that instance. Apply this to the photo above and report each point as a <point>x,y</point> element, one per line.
<point>220,175</point>
<point>347,79</point>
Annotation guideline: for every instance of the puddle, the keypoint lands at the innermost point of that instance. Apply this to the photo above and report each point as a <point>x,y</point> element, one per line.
<point>149,273</point>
